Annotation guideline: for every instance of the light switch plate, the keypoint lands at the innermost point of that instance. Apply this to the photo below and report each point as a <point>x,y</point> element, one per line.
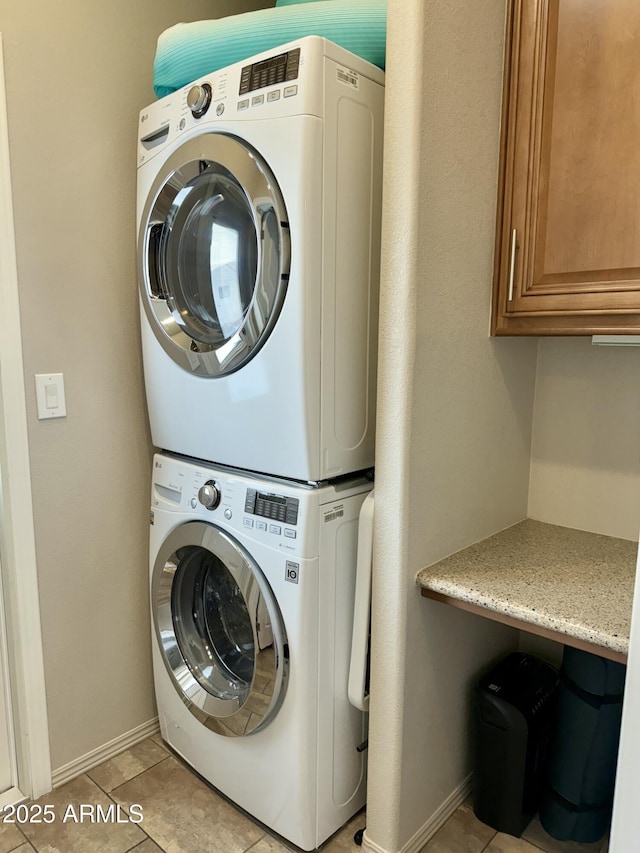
<point>50,396</point>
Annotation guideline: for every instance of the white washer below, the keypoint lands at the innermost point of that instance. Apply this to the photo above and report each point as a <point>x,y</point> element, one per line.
<point>252,609</point>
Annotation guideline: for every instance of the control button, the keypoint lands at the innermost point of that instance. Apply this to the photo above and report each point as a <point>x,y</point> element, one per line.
<point>182,124</point>
<point>257,100</point>
<point>273,96</point>
<point>228,514</point>
<point>194,503</point>
<point>219,109</point>
<point>290,91</point>
<point>243,105</point>
<point>290,534</point>
<point>198,99</point>
<point>261,525</point>
<point>274,528</point>
<point>209,494</point>
<point>248,522</point>
<point>293,63</point>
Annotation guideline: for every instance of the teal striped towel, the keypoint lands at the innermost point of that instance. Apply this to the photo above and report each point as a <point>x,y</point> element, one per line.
<point>188,51</point>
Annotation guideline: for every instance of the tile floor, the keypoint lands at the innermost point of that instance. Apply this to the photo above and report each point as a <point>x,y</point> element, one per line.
<point>183,815</point>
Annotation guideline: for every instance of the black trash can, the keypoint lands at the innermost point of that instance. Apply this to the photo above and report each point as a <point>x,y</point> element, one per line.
<point>513,713</point>
<point>578,799</point>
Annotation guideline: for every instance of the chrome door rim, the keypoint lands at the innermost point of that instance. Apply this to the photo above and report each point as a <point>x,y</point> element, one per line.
<point>262,194</point>
<point>224,716</point>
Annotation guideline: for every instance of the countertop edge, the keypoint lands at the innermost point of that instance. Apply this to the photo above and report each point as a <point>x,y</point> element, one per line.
<point>554,579</point>
<point>525,615</point>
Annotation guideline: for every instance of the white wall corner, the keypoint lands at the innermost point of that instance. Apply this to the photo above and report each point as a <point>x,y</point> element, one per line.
<point>103,753</point>
<point>430,826</point>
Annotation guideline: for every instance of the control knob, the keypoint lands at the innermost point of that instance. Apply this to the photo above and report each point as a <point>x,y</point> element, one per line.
<point>198,99</point>
<point>209,494</point>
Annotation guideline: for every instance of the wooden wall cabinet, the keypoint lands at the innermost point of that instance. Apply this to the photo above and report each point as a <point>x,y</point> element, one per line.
<point>568,234</point>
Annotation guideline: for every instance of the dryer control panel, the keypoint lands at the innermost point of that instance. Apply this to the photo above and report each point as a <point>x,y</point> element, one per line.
<point>270,72</point>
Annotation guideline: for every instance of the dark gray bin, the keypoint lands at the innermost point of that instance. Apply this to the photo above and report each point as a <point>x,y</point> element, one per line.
<point>513,709</point>
<point>582,764</point>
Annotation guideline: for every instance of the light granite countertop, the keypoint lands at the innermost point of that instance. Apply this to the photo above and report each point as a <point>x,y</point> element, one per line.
<point>557,580</point>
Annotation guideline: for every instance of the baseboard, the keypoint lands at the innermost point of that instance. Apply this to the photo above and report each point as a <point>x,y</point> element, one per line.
<point>103,753</point>
<point>432,825</point>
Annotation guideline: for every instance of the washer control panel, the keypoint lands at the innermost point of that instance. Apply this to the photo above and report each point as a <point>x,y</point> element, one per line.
<point>271,506</point>
<point>222,496</point>
<point>280,514</point>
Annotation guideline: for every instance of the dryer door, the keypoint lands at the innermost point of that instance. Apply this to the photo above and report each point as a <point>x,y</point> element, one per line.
<point>219,629</point>
<point>213,254</point>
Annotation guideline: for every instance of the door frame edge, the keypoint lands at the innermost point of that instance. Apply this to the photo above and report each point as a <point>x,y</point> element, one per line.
<point>19,569</point>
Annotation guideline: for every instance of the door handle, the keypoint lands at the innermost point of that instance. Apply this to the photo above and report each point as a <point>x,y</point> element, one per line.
<point>512,262</point>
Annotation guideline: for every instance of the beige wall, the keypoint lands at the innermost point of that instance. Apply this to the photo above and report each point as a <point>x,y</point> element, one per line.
<point>455,407</point>
<point>77,75</point>
<point>585,460</point>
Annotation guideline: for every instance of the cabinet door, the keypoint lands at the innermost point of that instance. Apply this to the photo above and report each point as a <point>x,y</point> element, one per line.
<point>568,237</point>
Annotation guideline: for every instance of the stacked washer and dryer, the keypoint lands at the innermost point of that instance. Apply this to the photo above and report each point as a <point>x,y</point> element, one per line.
<point>259,218</point>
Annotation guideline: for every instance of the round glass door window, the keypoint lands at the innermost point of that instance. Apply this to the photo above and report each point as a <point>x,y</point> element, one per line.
<point>214,255</point>
<point>219,630</point>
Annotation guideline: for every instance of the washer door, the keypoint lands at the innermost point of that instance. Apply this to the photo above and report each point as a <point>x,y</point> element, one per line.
<point>213,254</point>
<point>219,630</point>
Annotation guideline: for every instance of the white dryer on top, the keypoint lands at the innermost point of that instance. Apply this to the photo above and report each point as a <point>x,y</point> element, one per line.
<point>259,220</point>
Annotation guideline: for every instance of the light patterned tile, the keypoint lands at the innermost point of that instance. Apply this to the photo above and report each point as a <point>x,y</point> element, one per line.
<point>75,836</point>
<point>128,764</point>
<point>147,846</point>
<point>24,848</point>
<point>10,837</point>
<point>237,724</point>
<point>536,835</point>
<point>342,841</point>
<point>462,833</point>
<point>268,844</point>
<point>157,738</point>
<point>183,815</point>
<point>502,843</point>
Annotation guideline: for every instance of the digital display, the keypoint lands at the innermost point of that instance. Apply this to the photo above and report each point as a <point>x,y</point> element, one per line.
<point>274,507</point>
<point>270,72</point>
<point>276,499</point>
